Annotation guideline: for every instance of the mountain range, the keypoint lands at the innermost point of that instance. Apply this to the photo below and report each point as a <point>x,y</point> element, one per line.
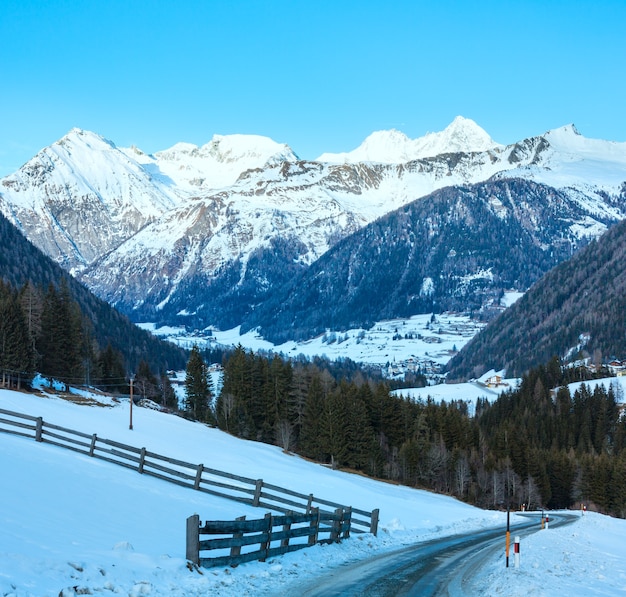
<point>241,231</point>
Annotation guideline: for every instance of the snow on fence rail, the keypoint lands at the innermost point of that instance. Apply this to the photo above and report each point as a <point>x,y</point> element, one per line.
<point>253,492</point>
<point>305,529</point>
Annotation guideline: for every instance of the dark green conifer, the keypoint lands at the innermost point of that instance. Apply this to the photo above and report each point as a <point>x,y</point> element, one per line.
<point>197,388</point>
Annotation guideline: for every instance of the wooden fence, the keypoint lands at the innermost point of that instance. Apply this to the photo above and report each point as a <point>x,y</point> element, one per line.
<point>274,535</point>
<point>253,492</point>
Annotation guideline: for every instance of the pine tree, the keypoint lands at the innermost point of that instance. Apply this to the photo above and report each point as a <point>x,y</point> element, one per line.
<point>235,398</point>
<point>111,373</point>
<point>310,436</point>
<point>61,339</point>
<point>31,300</point>
<point>16,355</point>
<point>146,384</point>
<point>197,388</point>
<point>333,423</point>
<point>168,397</point>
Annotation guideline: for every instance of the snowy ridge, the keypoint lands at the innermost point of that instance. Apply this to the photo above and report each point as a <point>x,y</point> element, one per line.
<point>215,165</point>
<point>575,161</point>
<point>393,147</point>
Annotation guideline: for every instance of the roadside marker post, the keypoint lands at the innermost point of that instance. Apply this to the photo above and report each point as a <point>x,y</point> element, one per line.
<point>516,551</point>
<point>508,536</point>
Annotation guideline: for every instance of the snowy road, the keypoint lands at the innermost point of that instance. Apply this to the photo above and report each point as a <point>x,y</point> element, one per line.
<point>442,567</point>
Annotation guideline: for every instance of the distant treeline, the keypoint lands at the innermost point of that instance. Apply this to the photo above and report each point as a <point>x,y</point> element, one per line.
<point>532,446</point>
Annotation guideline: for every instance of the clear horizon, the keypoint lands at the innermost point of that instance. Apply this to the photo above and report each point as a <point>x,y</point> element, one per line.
<point>318,76</point>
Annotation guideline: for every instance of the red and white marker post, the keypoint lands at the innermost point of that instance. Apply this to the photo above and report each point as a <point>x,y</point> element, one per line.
<point>516,552</point>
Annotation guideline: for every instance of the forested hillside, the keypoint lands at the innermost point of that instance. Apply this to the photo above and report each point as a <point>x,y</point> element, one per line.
<point>578,308</point>
<point>529,447</point>
<point>457,250</point>
<point>51,323</point>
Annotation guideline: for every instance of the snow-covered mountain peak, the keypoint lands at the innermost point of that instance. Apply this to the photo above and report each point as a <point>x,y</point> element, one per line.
<point>178,150</point>
<point>563,136</point>
<point>564,158</point>
<point>394,147</point>
<point>83,183</point>
<point>461,135</point>
<point>251,150</point>
<point>77,138</point>
<point>567,140</point>
<point>388,146</point>
<point>218,163</point>
<point>231,148</point>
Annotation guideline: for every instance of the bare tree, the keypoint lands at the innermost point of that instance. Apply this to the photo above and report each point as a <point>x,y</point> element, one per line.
<point>226,406</point>
<point>529,494</point>
<point>284,435</point>
<point>462,475</point>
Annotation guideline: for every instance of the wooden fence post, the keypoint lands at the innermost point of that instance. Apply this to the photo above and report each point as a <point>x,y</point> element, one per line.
<point>265,545</point>
<point>142,459</point>
<point>39,429</point>
<point>346,519</point>
<point>309,504</point>
<point>235,550</point>
<point>92,447</point>
<point>314,524</point>
<point>257,492</point>
<point>193,539</point>
<point>336,526</point>
<point>196,484</point>
<point>286,527</point>
<point>374,523</point>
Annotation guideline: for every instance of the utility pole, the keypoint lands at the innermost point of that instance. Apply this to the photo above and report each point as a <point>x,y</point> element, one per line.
<point>131,404</point>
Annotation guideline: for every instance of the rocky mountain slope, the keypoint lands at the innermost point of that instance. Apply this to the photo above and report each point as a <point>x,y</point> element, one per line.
<point>578,309</point>
<point>207,235</point>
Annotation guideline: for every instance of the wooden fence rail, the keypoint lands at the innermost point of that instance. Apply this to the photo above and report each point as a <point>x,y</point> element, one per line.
<point>252,492</point>
<point>272,534</point>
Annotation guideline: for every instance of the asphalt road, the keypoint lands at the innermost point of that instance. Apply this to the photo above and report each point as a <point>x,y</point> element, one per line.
<point>441,567</point>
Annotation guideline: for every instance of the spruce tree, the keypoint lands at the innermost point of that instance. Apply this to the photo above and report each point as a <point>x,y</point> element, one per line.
<point>16,355</point>
<point>310,433</point>
<point>61,339</point>
<point>146,383</point>
<point>168,395</point>
<point>197,388</point>
<point>111,373</point>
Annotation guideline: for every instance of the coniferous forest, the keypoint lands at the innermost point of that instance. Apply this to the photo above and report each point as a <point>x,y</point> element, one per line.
<point>46,331</point>
<point>537,445</point>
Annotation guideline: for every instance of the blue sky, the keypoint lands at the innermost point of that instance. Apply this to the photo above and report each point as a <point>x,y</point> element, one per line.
<point>319,75</point>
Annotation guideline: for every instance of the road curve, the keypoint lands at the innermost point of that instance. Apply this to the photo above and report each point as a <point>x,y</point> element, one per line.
<point>439,567</point>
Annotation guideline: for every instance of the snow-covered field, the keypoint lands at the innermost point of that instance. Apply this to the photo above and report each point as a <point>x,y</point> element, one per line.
<point>73,525</point>
<point>421,340</point>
